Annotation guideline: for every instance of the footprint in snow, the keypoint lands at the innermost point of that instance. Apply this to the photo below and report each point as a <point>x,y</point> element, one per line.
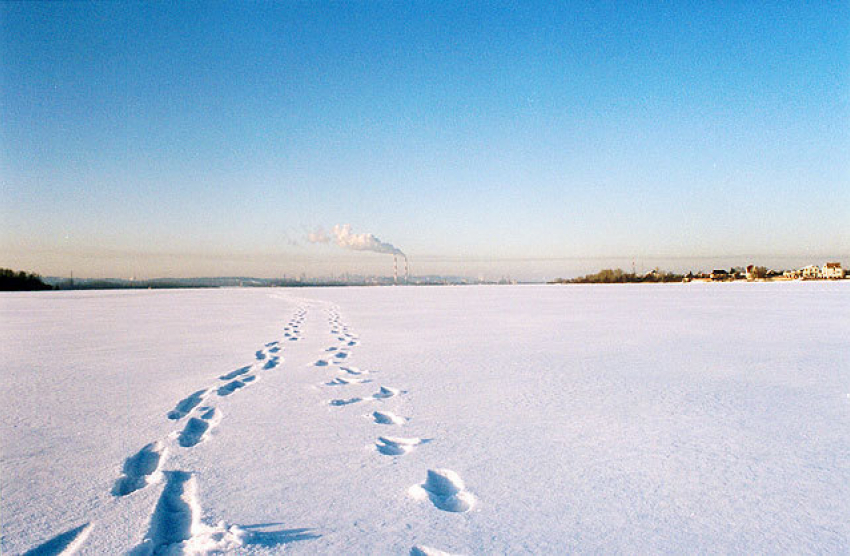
<point>421,550</point>
<point>387,418</point>
<point>197,429</point>
<point>235,385</point>
<point>356,371</point>
<point>385,393</point>
<point>341,402</point>
<point>233,374</point>
<point>272,362</point>
<point>320,363</point>
<point>140,469</point>
<point>395,446</point>
<point>446,491</point>
<point>68,542</point>
<point>339,381</point>
<point>187,404</point>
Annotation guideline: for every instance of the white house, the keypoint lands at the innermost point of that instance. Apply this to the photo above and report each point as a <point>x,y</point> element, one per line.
<point>811,271</point>
<point>832,271</point>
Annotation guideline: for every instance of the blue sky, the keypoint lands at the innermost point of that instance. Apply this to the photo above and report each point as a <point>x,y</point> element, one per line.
<point>530,139</point>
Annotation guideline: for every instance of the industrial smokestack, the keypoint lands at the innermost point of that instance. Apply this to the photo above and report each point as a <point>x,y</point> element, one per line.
<point>345,238</point>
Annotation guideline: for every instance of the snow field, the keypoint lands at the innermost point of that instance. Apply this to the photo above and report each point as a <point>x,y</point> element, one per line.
<point>477,420</point>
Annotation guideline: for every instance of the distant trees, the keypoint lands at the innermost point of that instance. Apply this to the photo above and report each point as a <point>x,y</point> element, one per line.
<point>20,281</point>
<point>619,276</point>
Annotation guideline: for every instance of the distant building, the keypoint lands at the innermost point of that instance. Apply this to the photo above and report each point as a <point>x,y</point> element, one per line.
<point>811,271</point>
<point>832,271</point>
<point>719,274</point>
<point>756,272</point>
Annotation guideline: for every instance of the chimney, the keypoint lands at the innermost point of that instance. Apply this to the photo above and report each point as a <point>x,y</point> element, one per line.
<point>395,269</point>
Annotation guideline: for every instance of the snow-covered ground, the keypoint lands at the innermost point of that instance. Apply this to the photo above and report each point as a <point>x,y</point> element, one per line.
<point>526,419</point>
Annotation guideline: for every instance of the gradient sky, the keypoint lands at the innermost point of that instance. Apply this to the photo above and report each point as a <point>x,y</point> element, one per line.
<point>529,139</point>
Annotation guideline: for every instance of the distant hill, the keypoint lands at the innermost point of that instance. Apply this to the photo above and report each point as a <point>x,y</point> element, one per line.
<point>12,281</point>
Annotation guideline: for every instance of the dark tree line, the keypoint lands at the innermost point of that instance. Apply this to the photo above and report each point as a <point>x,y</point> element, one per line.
<point>11,281</point>
<point>619,276</point>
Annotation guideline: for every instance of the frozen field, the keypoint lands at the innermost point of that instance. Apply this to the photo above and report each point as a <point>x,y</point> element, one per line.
<point>475,420</point>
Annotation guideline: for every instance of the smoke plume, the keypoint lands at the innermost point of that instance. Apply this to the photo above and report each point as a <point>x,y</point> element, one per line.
<point>342,236</point>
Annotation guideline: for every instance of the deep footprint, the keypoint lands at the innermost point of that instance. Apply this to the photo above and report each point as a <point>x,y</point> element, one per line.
<point>447,492</point>
<point>338,403</point>
<point>175,515</point>
<point>387,418</point>
<point>428,551</point>
<point>385,393</point>
<point>394,446</point>
<point>232,387</point>
<point>233,374</point>
<point>346,381</point>
<point>68,542</point>
<point>140,469</point>
<point>186,405</point>
<point>197,429</point>
<point>353,371</point>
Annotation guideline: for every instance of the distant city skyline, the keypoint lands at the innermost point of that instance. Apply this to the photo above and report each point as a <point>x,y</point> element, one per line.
<point>533,140</point>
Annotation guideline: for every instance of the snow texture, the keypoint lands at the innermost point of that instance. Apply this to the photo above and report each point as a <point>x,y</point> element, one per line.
<point>449,420</point>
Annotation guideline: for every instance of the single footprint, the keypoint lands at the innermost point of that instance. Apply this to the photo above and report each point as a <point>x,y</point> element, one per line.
<point>65,543</point>
<point>233,386</point>
<point>233,374</point>
<point>140,469</point>
<point>321,363</point>
<point>332,349</point>
<point>175,518</point>
<point>272,362</point>
<point>394,446</point>
<point>260,355</point>
<point>446,491</point>
<point>356,371</point>
<point>197,429</point>
<point>339,381</point>
<point>341,354</point>
<point>342,402</point>
<point>187,404</point>
<point>421,550</point>
<point>387,418</point>
<point>385,393</point>
<point>274,349</point>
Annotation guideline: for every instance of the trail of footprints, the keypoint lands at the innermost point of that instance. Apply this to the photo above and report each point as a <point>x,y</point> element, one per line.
<point>175,524</point>
<point>442,487</point>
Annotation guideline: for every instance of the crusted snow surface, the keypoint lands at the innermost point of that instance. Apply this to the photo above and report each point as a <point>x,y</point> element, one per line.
<point>460,420</point>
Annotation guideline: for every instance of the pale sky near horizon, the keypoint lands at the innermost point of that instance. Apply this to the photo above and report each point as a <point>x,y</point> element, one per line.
<point>533,140</point>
